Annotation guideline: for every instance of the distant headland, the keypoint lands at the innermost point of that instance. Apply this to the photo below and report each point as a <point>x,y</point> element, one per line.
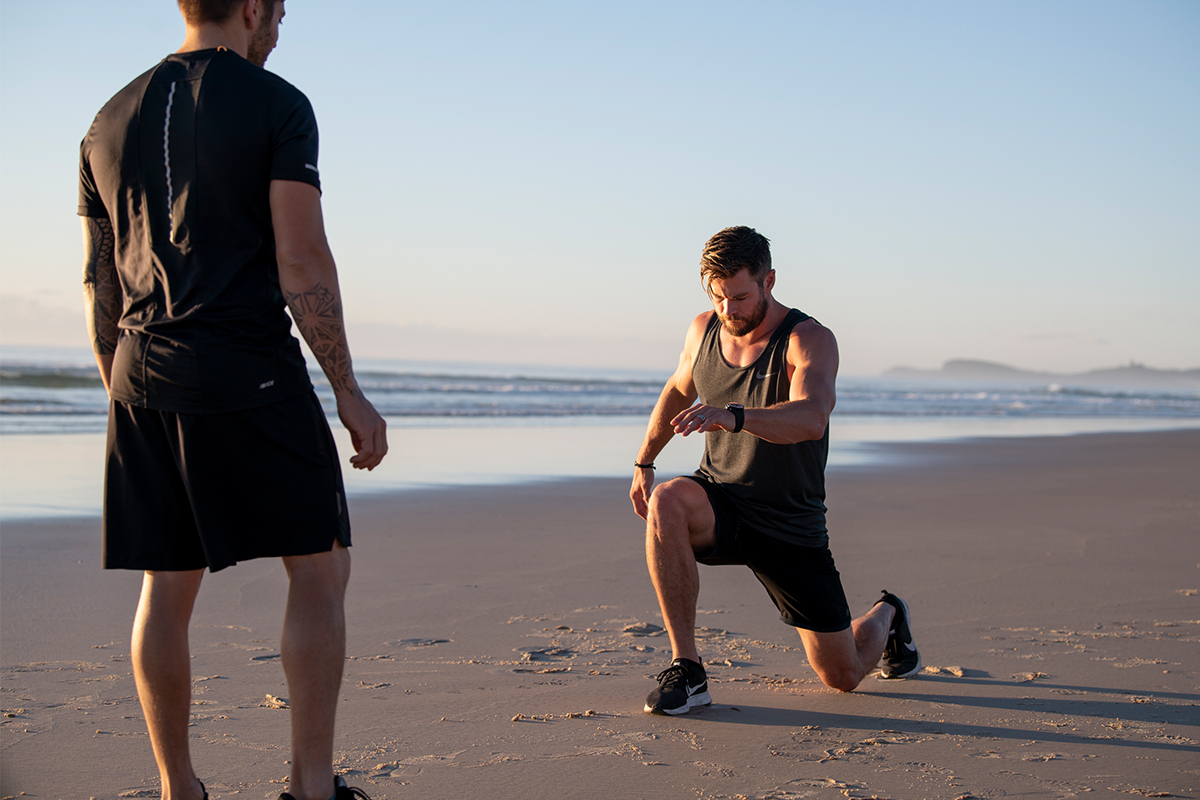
<point>1130,375</point>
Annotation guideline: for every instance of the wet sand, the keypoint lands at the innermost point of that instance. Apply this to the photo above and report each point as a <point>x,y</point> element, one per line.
<point>498,645</point>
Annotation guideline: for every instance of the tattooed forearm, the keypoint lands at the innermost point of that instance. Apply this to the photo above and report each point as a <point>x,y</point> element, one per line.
<point>318,314</point>
<point>103,300</point>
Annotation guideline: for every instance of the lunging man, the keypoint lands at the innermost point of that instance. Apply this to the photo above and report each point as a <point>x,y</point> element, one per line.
<point>764,375</point>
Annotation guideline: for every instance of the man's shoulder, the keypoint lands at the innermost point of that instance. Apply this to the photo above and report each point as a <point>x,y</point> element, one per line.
<point>809,337</point>
<point>279,84</point>
<point>810,330</point>
<point>698,327</point>
<point>256,80</point>
<point>251,77</point>
<point>807,327</point>
<point>129,94</point>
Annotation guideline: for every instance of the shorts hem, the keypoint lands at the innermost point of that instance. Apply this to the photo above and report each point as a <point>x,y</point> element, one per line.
<point>338,538</point>
<point>793,623</point>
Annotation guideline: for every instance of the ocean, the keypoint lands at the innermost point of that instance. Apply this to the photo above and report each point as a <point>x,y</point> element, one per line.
<point>461,423</point>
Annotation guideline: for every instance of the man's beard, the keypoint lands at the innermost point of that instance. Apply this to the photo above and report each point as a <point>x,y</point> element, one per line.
<point>741,325</point>
<point>260,42</point>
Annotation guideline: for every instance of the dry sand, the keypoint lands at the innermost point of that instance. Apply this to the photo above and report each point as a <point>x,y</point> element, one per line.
<point>1053,584</point>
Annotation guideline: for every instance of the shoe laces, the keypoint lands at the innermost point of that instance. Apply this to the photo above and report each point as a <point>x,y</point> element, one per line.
<point>673,674</point>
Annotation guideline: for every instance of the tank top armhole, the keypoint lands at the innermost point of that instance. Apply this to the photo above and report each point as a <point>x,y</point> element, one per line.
<point>714,323</point>
<point>794,317</point>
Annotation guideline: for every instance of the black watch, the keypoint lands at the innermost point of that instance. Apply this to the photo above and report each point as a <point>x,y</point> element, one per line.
<point>739,415</point>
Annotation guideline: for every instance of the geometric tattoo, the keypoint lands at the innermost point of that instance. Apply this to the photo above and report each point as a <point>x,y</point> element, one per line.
<point>318,315</point>
<point>103,298</point>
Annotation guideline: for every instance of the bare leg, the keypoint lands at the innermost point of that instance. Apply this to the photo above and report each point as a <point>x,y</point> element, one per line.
<point>163,673</point>
<point>314,651</point>
<point>844,658</point>
<point>680,522</point>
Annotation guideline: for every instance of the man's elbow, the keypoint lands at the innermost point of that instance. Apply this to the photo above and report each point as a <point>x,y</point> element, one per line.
<point>300,259</point>
<point>809,431</point>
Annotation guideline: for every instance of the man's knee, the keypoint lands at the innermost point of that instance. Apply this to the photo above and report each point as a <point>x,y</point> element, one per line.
<point>675,500</point>
<point>834,657</point>
<point>844,680</point>
<point>680,514</point>
<point>329,570</point>
<point>170,592</point>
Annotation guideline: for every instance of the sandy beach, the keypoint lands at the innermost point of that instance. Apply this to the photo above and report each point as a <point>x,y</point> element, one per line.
<point>502,640</point>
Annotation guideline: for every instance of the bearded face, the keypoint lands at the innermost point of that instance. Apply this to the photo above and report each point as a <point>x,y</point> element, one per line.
<point>265,36</point>
<point>740,320</point>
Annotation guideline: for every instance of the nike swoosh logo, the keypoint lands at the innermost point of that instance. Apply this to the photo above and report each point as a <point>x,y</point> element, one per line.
<point>693,689</point>
<point>763,376</point>
<point>909,645</point>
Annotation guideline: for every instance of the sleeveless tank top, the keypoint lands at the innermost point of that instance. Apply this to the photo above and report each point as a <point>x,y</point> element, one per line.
<point>778,489</point>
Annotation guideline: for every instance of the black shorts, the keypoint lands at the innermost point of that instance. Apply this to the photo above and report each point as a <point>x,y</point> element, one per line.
<point>188,491</point>
<point>801,580</point>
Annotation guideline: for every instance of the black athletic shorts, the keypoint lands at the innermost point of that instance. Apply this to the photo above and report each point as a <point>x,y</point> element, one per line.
<point>802,581</point>
<point>188,491</point>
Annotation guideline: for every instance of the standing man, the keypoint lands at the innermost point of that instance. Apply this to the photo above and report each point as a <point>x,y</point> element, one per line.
<point>764,375</point>
<point>202,219</point>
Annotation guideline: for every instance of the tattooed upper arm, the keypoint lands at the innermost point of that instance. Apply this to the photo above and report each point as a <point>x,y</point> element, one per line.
<point>101,289</point>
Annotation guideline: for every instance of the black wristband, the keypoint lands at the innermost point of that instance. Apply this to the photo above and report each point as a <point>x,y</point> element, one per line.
<point>739,416</point>
<point>644,466</point>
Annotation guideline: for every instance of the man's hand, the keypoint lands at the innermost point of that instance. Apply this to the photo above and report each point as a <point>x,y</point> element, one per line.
<point>368,430</point>
<point>702,418</point>
<point>643,487</point>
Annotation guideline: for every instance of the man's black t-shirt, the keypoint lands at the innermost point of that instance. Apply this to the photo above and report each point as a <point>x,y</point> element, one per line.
<point>180,161</point>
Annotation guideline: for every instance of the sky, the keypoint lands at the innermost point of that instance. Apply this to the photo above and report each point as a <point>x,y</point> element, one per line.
<point>532,182</point>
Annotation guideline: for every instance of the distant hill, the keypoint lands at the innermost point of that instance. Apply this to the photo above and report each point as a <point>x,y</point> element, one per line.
<point>1133,375</point>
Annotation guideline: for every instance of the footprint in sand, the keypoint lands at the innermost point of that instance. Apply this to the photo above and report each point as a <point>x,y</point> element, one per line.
<point>957,672</point>
<point>413,644</point>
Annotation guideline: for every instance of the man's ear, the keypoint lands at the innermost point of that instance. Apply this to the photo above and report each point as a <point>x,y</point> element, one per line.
<point>249,13</point>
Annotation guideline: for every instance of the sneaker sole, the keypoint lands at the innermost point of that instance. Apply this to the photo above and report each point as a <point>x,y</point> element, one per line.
<point>695,701</point>
<point>904,675</point>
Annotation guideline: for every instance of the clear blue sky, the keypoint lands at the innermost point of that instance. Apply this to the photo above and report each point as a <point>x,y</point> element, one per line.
<point>533,182</point>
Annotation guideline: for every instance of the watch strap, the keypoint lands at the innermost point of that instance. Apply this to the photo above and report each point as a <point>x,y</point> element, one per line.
<point>739,416</point>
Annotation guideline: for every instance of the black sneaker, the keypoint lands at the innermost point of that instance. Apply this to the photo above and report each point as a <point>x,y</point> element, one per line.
<point>900,656</point>
<point>681,687</point>
<point>344,792</point>
<point>340,791</point>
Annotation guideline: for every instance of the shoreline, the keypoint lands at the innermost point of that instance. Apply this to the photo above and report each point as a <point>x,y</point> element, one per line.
<point>1053,583</point>
<point>64,481</point>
